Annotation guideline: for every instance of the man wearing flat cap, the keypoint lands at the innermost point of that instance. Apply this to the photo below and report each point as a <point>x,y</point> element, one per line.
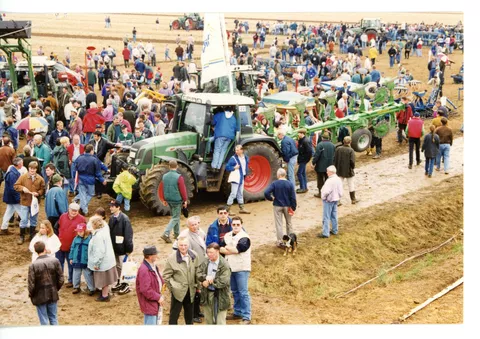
<point>150,287</point>
<point>305,151</point>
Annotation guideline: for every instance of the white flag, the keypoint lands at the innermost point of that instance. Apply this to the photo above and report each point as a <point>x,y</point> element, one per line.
<point>214,50</point>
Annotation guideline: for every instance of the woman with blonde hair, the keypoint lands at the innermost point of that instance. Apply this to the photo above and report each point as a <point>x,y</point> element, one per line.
<point>48,237</point>
<point>101,258</point>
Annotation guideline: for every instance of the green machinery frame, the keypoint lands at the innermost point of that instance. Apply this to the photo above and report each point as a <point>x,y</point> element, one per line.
<point>21,46</point>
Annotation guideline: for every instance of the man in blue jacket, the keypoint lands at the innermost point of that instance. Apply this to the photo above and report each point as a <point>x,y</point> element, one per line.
<point>10,196</point>
<point>88,169</point>
<point>283,199</point>
<point>237,162</point>
<point>289,154</point>
<point>217,230</point>
<point>225,125</point>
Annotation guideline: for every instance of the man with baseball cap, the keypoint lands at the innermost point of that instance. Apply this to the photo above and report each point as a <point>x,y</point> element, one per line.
<point>150,287</point>
<point>67,224</point>
<point>121,233</point>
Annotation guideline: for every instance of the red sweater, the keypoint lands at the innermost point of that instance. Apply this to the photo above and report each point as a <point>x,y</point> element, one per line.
<point>66,231</point>
<point>415,127</point>
<point>70,150</point>
<point>92,118</point>
<point>339,113</point>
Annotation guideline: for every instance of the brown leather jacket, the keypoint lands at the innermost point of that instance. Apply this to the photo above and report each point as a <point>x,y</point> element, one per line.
<point>33,186</point>
<point>45,278</point>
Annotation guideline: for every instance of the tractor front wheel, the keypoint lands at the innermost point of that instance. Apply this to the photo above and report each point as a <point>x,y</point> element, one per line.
<point>176,24</point>
<point>150,187</point>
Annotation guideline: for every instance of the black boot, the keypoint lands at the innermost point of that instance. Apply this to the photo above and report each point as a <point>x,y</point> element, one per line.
<point>352,197</point>
<point>21,240</point>
<point>32,232</point>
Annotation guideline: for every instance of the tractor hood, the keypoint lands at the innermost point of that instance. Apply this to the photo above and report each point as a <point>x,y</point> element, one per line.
<point>145,153</point>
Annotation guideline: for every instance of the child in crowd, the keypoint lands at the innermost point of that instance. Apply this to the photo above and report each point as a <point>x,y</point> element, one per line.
<point>48,237</point>
<point>123,186</point>
<point>79,258</point>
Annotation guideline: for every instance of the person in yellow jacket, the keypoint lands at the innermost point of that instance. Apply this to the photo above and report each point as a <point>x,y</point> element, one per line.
<point>123,186</point>
<point>373,53</point>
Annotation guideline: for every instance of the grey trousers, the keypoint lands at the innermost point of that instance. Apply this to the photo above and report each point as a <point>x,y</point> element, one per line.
<point>208,311</point>
<point>119,262</point>
<point>278,214</point>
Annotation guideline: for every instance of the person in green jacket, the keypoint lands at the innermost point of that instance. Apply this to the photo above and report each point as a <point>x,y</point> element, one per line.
<point>92,77</point>
<point>214,275</point>
<point>123,186</point>
<point>79,259</point>
<point>125,138</point>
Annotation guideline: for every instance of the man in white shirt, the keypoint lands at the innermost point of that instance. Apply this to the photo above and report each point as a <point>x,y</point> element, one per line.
<point>331,193</point>
<point>343,103</point>
<point>273,51</point>
<point>68,108</point>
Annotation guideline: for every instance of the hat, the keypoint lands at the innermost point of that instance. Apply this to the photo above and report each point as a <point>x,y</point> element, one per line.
<point>416,114</point>
<point>56,178</point>
<point>74,206</point>
<point>98,126</point>
<point>150,250</point>
<point>80,84</point>
<point>302,130</point>
<point>114,203</point>
<point>81,227</point>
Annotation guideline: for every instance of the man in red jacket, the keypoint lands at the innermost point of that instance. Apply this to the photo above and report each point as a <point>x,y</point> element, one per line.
<point>402,119</point>
<point>66,233</point>
<point>149,285</point>
<point>126,57</point>
<point>414,133</point>
<point>92,118</point>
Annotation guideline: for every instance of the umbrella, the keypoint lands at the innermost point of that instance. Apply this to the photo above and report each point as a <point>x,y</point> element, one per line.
<point>32,123</point>
<point>362,71</point>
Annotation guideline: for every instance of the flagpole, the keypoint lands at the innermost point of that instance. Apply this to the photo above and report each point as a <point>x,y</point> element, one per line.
<point>223,31</point>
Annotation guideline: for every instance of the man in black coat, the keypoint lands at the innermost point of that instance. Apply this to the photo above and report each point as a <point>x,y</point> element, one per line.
<point>121,233</point>
<point>91,96</point>
<point>101,147</point>
<point>345,164</point>
<point>324,156</point>
<point>305,151</point>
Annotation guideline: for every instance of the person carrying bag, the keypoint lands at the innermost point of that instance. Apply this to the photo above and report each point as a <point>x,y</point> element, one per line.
<point>238,167</point>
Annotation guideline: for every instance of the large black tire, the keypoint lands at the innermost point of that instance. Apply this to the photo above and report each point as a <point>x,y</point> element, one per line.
<point>264,163</point>
<point>151,181</point>
<point>361,139</point>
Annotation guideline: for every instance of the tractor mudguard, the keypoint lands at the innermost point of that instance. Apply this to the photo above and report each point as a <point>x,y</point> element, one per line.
<point>261,138</point>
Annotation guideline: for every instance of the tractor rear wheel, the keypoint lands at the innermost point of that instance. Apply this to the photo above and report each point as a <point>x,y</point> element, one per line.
<point>263,166</point>
<point>176,24</point>
<point>150,184</point>
<point>192,23</point>
<point>361,139</point>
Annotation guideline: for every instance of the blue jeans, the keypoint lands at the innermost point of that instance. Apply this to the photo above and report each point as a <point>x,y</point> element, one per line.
<point>392,61</point>
<point>241,298</point>
<point>429,162</point>
<point>284,55</point>
<point>150,319</point>
<point>87,274</point>
<point>398,57</point>
<point>302,175</point>
<point>62,256</point>
<point>236,192</point>
<point>445,153</point>
<point>85,193</point>
<point>71,183</point>
<point>9,211</point>
<point>262,43</point>
<point>221,145</point>
<point>291,169</point>
<point>47,313</point>
<point>329,214</point>
<point>26,216</point>
<point>121,198</point>
<point>88,135</point>
<point>175,209</point>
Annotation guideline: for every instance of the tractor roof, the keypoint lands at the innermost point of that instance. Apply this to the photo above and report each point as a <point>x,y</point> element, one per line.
<point>218,99</point>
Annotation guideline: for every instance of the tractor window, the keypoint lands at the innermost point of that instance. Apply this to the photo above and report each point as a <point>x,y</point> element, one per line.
<point>194,120</point>
<point>245,119</point>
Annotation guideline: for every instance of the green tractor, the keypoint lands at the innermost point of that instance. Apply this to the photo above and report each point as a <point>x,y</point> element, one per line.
<point>190,144</point>
<point>194,20</point>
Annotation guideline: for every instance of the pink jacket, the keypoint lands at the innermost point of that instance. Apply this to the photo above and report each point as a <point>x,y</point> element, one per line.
<point>108,113</point>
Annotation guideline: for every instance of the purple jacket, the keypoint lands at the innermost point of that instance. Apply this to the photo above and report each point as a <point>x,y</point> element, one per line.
<point>148,289</point>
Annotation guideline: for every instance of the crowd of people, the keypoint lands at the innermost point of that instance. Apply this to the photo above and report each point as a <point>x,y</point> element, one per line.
<point>65,162</point>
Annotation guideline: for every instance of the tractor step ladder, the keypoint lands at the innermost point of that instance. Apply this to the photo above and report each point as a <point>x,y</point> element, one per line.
<point>214,184</point>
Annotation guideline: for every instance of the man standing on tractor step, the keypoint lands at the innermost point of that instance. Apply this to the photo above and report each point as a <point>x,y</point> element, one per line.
<point>173,193</point>
<point>414,133</point>
<point>225,125</point>
<point>345,165</point>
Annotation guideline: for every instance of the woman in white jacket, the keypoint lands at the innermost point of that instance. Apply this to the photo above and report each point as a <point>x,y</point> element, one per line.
<point>48,237</point>
<point>101,258</point>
